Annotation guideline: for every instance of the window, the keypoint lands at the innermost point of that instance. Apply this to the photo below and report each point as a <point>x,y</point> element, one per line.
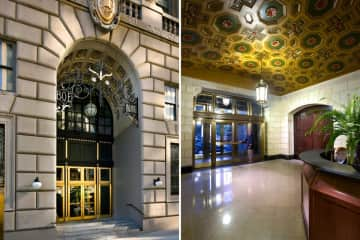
<point>223,105</point>
<point>74,119</point>
<point>7,66</point>
<point>256,109</point>
<point>170,103</point>
<point>203,103</point>
<point>169,6</point>
<point>172,167</point>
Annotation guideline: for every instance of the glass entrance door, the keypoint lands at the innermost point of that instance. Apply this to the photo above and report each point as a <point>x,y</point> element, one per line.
<point>82,186</point>
<point>224,143</point>
<point>241,142</point>
<point>202,143</point>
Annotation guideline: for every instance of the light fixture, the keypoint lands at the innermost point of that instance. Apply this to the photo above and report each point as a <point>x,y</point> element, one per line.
<point>157,182</point>
<point>248,18</point>
<point>36,184</point>
<point>90,110</point>
<point>261,89</point>
<point>96,80</point>
<point>226,220</point>
<point>226,101</point>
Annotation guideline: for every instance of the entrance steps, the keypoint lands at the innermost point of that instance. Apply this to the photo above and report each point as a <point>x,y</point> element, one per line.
<point>96,229</point>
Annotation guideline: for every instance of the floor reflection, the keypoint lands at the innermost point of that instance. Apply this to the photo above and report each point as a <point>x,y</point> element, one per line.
<point>254,201</point>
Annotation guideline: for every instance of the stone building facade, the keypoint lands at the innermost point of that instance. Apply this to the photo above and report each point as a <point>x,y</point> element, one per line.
<point>44,32</point>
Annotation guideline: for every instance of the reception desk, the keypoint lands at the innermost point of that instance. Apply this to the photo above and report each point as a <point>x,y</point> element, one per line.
<point>330,198</point>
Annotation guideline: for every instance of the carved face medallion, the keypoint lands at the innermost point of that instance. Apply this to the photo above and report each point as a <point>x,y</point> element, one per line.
<point>104,13</point>
<point>106,10</point>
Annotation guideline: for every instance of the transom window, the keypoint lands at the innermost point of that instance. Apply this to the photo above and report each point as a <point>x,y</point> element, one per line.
<point>169,6</point>
<point>7,66</point>
<point>222,104</point>
<point>170,103</point>
<point>75,120</point>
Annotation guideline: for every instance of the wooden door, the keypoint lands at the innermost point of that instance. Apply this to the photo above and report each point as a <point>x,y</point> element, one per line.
<point>303,121</point>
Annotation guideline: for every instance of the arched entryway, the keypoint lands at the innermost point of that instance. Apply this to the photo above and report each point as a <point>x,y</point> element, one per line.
<point>98,153</point>
<point>304,119</point>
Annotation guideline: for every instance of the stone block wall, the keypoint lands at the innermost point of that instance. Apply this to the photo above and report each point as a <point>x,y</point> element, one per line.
<point>43,32</point>
<point>279,115</point>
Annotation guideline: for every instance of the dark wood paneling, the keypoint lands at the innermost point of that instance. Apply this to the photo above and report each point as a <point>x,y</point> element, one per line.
<point>334,206</point>
<point>303,121</point>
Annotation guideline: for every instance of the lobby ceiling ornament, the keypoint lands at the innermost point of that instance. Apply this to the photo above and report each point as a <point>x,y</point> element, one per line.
<point>105,13</point>
<point>316,39</point>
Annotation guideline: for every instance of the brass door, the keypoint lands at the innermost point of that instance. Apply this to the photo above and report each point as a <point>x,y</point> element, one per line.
<point>81,199</point>
<point>83,193</point>
<point>224,137</point>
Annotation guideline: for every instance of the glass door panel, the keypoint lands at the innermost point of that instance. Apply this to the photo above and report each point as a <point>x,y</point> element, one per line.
<point>89,201</point>
<point>105,199</point>
<point>241,141</point>
<point>202,144</point>
<point>224,143</point>
<point>60,202</point>
<point>256,133</point>
<point>105,192</point>
<point>75,201</point>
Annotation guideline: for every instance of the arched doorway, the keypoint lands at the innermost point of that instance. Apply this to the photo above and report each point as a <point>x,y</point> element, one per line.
<point>303,121</point>
<point>91,154</point>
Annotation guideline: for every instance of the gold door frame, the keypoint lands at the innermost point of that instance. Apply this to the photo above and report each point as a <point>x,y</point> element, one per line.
<point>234,142</point>
<point>65,184</point>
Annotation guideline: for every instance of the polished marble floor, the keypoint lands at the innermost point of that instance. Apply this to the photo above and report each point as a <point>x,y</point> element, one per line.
<point>259,201</point>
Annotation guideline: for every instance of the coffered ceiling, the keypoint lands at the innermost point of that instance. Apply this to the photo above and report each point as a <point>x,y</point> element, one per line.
<point>300,42</point>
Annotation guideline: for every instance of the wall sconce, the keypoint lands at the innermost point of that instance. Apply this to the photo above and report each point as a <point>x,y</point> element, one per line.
<point>157,182</point>
<point>36,184</point>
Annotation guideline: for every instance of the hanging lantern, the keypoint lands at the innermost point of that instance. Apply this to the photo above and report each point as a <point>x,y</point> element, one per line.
<point>90,110</point>
<point>261,88</point>
<point>261,92</point>
<point>226,101</point>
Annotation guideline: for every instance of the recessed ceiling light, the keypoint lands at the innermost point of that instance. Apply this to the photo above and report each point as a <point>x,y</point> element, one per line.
<point>248,18</point>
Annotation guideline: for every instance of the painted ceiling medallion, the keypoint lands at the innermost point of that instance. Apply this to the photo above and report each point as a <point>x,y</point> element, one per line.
<point>250,64</point>
<point>311,40</point>
<point>211,55</point>
<point>275,43</point>
<point>226,68</point>
<point>278,77</point>
<point>320,7</point>
<point>306,63</point>
<point>279,89</point>
<point>215,6</point>
<point>350,40</point>
<point>302,80</point>
<point>336,66</point>
<point>227,23</point>
<point>242,47</point>
<point>105,13</point>
<point>190,37</point>
<point>277,62</point>
<point>271,12</point>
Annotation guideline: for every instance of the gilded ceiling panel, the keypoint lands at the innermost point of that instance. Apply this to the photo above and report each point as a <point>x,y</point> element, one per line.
<point>296,43</point>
